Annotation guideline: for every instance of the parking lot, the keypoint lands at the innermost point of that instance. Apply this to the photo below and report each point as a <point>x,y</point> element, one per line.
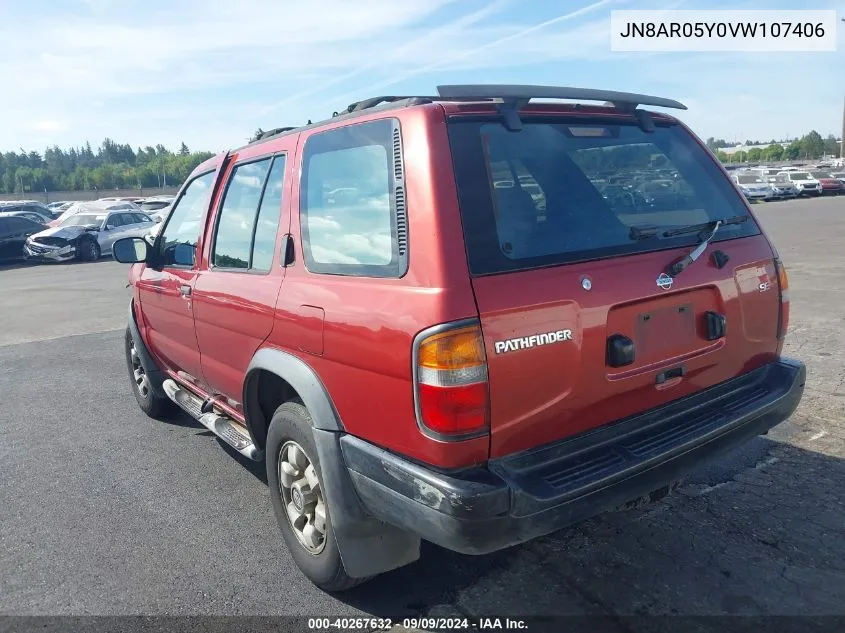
<point>108,512</point>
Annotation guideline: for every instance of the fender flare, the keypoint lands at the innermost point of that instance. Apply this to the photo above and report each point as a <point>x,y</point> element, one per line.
<point>367,546</point>
<point>299,375</point>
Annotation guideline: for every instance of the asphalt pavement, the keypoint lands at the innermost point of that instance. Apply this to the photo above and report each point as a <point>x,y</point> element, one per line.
<point>105,511</point>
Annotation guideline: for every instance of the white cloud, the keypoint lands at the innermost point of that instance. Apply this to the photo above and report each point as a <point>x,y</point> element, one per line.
<point>48,125</point>
<point>209,72</point>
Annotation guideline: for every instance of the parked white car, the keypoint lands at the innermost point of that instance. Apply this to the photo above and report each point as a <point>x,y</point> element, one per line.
<point>804,182</point>
<point>86,235</point>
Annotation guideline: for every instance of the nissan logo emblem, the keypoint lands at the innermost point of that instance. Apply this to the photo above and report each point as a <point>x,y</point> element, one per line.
<point>664,281</point>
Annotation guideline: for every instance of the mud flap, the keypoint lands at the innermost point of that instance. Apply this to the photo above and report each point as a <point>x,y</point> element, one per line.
<point>367,546</point>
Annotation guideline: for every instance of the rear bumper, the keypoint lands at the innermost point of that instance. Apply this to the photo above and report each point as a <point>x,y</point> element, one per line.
<point>539,491</point>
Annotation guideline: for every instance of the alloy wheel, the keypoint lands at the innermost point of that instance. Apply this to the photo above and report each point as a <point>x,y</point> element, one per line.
<point>142,383</point>
<point>303,497</point>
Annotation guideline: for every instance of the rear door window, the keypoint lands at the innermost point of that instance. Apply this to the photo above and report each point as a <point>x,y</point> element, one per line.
<point>562,191</point>
<point>236,219</point>
<point>267,223</point>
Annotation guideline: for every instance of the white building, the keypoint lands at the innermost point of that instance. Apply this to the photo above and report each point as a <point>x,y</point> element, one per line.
<point>745,148</point>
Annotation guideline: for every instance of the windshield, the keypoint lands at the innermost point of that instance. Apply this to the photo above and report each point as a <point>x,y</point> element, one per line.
<point>83,219</point>
<point>748,180</point>
<point>541,196</point>
<point>152,205</point>
<point>799,175</point>
<point>820,174</point>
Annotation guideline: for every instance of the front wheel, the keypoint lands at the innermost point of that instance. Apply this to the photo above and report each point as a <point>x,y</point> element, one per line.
<point>151,404</point>
<point>88,250</point>
<point>300,506</point>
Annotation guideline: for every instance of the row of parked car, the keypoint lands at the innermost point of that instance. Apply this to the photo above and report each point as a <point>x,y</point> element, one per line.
<point>777,183</point>
<point>66,230</point>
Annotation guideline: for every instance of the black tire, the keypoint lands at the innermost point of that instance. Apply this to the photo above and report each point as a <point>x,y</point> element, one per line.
<point>154,406</point>
<point>87,249</point>
<point>292,422</point>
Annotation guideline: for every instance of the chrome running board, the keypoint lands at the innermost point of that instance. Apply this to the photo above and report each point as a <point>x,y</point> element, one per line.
<point>222,426</point>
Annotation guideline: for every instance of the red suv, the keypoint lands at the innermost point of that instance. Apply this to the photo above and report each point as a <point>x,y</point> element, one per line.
<point>464,318</point>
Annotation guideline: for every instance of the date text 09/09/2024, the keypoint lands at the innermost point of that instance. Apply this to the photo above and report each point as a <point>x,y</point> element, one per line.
<point>439,624</point>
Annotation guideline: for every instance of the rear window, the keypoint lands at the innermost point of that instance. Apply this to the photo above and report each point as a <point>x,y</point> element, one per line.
<point>559,192</point>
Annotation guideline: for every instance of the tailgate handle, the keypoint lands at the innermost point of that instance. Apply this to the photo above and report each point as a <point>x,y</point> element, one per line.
<point>717,325</point>
<point>669,374</point>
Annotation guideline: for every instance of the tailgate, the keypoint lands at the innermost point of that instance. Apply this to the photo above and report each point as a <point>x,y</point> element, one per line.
<point>569,224</point>
<point>547,339</point>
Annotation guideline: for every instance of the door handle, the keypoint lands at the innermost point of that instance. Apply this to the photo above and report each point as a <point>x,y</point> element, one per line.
<point>185,290</point>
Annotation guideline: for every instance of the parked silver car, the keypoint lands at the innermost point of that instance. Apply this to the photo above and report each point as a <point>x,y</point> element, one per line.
<point>86,235</point>
<point>753,186</point>
<point>783,187</point>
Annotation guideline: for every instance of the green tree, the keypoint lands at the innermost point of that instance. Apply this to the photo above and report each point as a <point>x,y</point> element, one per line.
<point>773,152</point>
<point>183,150</point>
<point>812,145</point>
<point>831,145</point>
<point>755,154</point>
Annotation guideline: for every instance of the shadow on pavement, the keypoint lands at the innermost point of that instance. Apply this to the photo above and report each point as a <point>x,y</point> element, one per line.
<point>748,545</point>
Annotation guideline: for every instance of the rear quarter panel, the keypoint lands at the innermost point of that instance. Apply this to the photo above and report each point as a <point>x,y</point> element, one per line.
<point>357,332</point>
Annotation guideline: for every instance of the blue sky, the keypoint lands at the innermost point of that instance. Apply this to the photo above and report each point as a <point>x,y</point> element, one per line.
<point>210,71</point>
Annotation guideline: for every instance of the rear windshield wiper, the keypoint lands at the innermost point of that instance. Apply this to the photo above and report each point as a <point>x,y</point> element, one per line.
<point>673,270</point>
<point>695,228</point>
<point>645,232</point>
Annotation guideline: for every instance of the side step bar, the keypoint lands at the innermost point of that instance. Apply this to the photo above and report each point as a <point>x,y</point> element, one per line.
<point>222,426</point>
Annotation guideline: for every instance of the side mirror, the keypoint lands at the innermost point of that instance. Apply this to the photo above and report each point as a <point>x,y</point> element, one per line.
<point>183,255</point>
<point>109,227</point>
<point>130,250</point>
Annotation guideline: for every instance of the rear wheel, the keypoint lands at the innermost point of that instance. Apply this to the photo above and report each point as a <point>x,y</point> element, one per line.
<point>301,509</point>
<point>88,250</point>
<point>151,404</point>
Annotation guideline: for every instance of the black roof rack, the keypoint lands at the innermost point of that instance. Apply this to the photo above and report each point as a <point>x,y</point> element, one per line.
<point>621,100</point>
<point>510,98</point>
<point>274,131</point>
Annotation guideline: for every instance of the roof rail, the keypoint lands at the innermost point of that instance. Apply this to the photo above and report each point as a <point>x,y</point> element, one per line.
<point>274,131</point>
<point>524,93</point>
<point>374,101</point>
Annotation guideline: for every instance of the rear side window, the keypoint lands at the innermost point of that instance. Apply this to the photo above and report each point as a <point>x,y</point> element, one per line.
<point>352,203</point>
<point>559,192</point>
<point>19,224</point>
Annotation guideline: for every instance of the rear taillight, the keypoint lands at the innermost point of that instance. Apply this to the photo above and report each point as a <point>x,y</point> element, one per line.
<point>783,290</point>
<point>450,381</point>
